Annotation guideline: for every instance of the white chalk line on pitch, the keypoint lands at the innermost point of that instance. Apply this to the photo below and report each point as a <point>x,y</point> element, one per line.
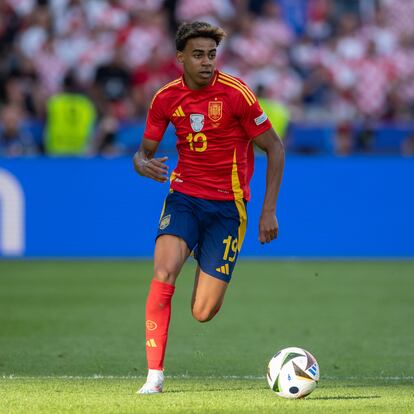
<point>223,377</point>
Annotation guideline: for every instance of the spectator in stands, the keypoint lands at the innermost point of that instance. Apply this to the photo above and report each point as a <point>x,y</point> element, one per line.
<point>365,138</point>
<point>344,140</point>
<point>15,139</point>
<point>19,88</point>
<point>277,113</point>
<point>36,31</point>
<point>145,33</point>
<point>112,93</point>
<point>374,75</point>
<point>270,27</point>
<point>50,67</point>
<point>105,139</point>
<point>70,121</point>
<point>206,10</point>
<point>317,94</point>
<point>9,26</point>
<point>112,84</point>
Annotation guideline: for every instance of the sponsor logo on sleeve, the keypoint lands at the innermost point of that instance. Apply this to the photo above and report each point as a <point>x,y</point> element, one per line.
<point>260,119</point>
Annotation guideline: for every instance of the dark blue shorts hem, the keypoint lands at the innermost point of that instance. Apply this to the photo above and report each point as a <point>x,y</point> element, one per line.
<point>219,276</point>
<point>171,233</point>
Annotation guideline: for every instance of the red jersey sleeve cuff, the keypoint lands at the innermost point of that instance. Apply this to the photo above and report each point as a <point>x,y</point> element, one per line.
<point>158,139</point>
<point>265,127</point>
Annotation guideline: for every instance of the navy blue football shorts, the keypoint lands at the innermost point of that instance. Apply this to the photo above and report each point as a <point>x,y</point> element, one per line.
<point>213,230</point>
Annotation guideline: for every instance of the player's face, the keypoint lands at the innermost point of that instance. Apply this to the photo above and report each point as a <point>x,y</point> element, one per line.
<point>199,61</point>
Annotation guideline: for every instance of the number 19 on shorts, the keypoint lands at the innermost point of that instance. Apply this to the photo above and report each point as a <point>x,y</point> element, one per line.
<point>230,250</point>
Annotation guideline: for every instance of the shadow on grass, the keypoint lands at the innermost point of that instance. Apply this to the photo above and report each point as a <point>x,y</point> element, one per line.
<point>209,390</point>
<point>356,397</point>
<point>215,388</point>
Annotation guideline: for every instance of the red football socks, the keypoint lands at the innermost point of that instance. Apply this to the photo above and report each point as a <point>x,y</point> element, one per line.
<point>158,314</point>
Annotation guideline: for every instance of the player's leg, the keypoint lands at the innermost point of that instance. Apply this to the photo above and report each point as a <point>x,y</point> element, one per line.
<point>220,241</point>
<point>208,296</point>
<point>176,234</point>
<point>170,254</point>
<point>169,257</point>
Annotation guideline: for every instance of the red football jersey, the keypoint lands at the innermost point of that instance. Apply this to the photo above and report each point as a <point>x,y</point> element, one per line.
<point>215,126</point>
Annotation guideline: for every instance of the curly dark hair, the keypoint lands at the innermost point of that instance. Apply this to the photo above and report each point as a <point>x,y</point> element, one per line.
<point>188,31</point>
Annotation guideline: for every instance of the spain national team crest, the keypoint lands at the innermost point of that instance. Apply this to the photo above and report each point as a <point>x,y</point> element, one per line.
<point>215,110</point>
<point>197,122</point>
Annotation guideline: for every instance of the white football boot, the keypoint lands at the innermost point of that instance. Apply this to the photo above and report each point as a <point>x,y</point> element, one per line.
<point>154,384</point>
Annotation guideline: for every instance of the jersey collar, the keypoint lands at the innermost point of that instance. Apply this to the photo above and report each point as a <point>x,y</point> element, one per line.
<point>212,82</point>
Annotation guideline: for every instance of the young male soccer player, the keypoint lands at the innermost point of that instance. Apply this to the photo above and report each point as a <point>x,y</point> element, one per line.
<point>216,117</point>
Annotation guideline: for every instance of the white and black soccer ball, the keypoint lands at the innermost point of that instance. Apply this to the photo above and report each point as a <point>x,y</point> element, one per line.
<point>293,373</point>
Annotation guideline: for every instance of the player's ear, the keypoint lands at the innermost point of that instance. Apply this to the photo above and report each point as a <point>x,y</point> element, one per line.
<point>180,56</point>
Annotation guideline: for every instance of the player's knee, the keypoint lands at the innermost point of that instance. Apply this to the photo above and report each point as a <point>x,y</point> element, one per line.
<point>203,314</point>
<point>163,274</point>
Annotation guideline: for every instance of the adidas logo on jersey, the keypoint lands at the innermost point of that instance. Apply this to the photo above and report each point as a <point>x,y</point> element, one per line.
<point>179,112</point>
<point>224,269</point>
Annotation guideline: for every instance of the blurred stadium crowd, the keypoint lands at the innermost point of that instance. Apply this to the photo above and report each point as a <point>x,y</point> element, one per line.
<point>76,76</point>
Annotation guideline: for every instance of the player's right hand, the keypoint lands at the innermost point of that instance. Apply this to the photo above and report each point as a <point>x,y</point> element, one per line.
<point>268,227</point>
<point>154,168</point>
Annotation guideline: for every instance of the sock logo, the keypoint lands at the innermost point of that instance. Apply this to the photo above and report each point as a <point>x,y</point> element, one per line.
<point>151,343</point>
<point>151,325</point>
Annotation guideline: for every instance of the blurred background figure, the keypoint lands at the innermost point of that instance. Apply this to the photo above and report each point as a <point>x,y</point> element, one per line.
<point>344,142</point>
<point>111,86</point>
<point>277,113</point>
<point>70,119</point>
<point>15,139</point>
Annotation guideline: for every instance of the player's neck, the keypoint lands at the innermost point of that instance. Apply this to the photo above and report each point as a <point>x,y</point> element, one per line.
<point>191,84</point>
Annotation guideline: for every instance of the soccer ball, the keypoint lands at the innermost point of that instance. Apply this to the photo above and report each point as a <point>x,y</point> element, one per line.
<point>293,373</point>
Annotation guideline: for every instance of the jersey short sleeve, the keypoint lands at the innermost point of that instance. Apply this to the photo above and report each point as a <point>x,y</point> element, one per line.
<point>157,121</point>
<point>253,119</point>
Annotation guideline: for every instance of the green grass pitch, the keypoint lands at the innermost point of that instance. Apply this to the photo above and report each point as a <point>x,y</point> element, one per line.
<point>72,338</point>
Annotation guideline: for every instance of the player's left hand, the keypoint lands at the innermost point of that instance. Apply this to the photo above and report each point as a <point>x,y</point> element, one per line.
<point>268,227</point>
<point>154,168</point>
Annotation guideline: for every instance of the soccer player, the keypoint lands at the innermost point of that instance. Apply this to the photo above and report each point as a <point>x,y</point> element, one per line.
<point>217,118</point>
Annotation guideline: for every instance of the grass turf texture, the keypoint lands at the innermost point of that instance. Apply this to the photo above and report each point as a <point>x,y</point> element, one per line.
<point>62,323</point>
<point>198,395</point>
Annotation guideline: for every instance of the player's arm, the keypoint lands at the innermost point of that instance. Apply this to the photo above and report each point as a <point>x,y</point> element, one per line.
<point>146,165</point>
<point>271,144</point>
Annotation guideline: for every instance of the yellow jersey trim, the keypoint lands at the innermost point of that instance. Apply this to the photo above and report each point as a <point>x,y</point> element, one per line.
<point>238,199</point>
<point>249,101</point>
<point>163,210</point>
<point>168,85</point>
<point>235,182</point>
<point>241,208</point>
<point>236,82</point>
